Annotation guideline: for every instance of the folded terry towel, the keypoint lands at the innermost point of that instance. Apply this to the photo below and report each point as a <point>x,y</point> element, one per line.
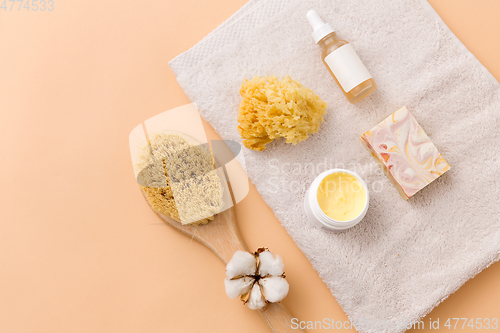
<point>406,256</point>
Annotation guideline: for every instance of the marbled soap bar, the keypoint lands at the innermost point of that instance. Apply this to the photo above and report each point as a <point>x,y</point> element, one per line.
<point>407,154</point>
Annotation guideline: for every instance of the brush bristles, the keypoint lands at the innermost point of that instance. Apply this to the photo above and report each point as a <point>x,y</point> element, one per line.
<point>179,180</point>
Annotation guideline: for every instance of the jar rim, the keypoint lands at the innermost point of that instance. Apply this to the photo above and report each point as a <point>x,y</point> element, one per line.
<point>327,220</point>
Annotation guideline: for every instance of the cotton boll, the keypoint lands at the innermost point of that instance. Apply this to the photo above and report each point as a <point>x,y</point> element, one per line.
<point>256,301</point>
<point>270,265</point>
<point>275,288</point>
<point>237,287</point>
<point>257,280</point>
<point>242,263</point>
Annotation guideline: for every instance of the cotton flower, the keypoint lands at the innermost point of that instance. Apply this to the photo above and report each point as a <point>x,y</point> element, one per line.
<point>242,263</point>
<point>270,265</point>
<point>257,278</point>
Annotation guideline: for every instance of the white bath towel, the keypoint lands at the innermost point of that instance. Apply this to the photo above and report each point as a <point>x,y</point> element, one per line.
<point>405,257</point>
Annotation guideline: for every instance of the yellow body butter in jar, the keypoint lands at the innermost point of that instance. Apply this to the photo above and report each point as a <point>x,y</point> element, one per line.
<point>336,200</point>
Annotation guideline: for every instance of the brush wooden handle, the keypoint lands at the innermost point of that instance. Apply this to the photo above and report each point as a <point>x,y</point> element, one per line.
<point>220,235</point>
<point>279,319</point>
<point>223,238</point>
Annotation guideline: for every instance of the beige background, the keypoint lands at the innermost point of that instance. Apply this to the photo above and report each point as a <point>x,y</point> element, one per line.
<point>80,250</point>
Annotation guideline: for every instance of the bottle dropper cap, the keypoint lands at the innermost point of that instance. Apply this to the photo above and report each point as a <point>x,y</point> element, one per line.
<point>321,29</point>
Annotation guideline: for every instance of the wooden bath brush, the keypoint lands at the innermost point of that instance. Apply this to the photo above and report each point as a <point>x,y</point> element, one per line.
<point>217,232</point>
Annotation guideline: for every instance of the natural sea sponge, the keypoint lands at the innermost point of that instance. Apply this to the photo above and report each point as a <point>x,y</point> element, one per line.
<point>275,108</point>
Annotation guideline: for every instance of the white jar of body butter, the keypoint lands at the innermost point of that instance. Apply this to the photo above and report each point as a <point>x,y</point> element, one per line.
<point>337,200</point>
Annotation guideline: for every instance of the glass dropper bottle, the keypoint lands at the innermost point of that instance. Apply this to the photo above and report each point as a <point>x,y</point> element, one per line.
<point>342,61</point>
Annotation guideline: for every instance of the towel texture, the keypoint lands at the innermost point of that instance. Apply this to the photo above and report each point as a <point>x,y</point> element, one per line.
<point>405,257</point>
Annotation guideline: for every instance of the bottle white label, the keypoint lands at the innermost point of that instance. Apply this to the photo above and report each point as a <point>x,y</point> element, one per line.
<point>347,67</point>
